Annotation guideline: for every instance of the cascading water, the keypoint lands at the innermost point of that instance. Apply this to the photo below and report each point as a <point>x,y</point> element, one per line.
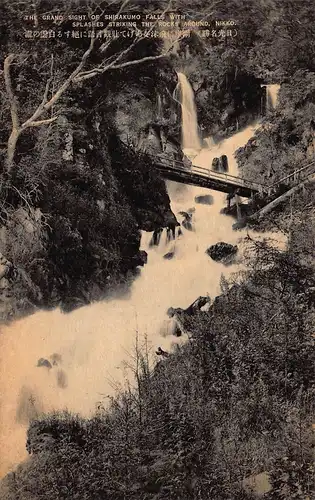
<point>92,344</point>
<point>272,96</point>
<point>190,134</point>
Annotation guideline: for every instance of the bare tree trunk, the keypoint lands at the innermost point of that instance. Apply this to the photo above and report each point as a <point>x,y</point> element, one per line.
<point>14,111</point>
<point>78,75</point>
<point>14,136</point>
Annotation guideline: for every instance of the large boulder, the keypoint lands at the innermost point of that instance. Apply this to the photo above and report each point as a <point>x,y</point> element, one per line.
<point>224,166</point>
<point>140,259</point>
<point>169,255</point>
<point>44,362</point>
<point>222,252</point>
<point>197,305</point>
<point>170,220</point>
<point>150,220</point>
<point>220,164</point>
<point>187,221</point>
<point>180,315</point>
<point>215,164</point>
<point>204,199</point>
<point>156,237</point>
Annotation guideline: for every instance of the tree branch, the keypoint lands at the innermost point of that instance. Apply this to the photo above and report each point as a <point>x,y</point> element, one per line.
<point>138,61</point>
<point>43,122</point>
<point>105,66</point>
<point>45,107</point>
<point>8,83</point>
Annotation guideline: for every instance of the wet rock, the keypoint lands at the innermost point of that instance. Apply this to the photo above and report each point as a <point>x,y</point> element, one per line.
<point>180,314</point>
<point>244,208</point>
<point>171,312</point>
<point>160,352</point>
<point>224,167</point>
<point>190,310</point>
<point>187,215</point>
<point>187,225</point>
<point>170,220</point>
<point>141,258</point>
<point>222,252</point>
<point>154,220</point>
<point>178,329</point>
<point>220,164</point>
<point>170,234</point>
<point>197,305</point>
<point>44,362</point>
<point>187,222</point>
<point>215,164</point>
<point>205,199</point>
<point>169,255</point>
<point>155,240</point>
<point>138,259</point>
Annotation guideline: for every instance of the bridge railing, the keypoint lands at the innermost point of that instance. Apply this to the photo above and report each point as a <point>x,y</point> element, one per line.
<point>256,186</point>
<point>176,165</point>
<point>296,176</point>
<point>301,174</point>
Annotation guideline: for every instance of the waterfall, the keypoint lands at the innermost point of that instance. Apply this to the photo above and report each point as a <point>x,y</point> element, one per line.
<point>93,344</point>
<point>272,96</point>
<point>190,134</point>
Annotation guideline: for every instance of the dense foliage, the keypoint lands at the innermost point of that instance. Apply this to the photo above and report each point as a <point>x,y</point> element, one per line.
<point>84,196</point>
<point>270,47</point>
<point>285,141</point>
<point>237,401</point>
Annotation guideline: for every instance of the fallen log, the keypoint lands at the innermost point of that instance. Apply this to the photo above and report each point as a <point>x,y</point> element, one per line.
<point>257,217</point>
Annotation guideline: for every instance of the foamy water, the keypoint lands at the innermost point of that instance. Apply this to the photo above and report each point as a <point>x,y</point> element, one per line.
<point>94,342</point>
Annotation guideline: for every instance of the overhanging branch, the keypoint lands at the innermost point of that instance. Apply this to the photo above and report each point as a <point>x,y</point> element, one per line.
<point>38,123</point>
<point>8,84</point>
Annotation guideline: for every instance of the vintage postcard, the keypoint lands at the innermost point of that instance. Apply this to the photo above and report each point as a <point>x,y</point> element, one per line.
<point>157,242</point>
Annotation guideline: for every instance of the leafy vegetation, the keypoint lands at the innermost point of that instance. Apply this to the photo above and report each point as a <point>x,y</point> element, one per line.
<point>238,399</point>
<point>228,71</point>
<point>65,171</point>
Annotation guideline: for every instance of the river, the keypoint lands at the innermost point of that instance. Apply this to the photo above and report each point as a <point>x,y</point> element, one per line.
<point>95,342</point>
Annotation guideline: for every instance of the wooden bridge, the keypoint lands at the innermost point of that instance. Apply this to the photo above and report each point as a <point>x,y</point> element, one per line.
<point>174,170</point>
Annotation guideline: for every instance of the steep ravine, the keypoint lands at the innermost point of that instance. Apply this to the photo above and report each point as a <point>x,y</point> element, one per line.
<point>93,343</point>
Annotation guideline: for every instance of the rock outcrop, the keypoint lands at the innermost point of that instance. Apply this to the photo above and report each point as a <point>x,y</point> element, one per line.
<point>222,252</point>
<point>181,315</point>
<point>220,164</point>
<point>187,220</point>
<point>204,199</point>
<point>169,255</point>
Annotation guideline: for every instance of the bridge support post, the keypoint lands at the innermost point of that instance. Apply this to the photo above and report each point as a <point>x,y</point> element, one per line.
<point>228,199</point>
<point>238,207</point>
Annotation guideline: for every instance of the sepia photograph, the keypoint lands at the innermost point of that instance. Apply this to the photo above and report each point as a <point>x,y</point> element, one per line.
<point>157,250</point>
